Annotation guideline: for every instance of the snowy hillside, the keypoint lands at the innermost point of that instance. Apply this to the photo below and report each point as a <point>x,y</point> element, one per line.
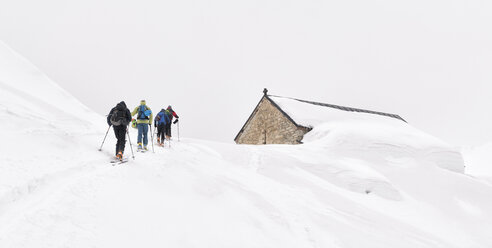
<point>37,118</point>
<point>354,183</point>
<point>478,161</point>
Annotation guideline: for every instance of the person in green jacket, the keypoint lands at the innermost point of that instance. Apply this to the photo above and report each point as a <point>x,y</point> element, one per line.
<point>144,120</point>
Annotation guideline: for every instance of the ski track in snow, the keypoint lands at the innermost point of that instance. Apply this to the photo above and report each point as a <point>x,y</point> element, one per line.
<point>192,173</point>
<point>39,191</point>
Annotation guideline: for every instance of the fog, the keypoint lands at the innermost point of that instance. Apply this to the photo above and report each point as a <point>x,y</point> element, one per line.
<point>428,61</point>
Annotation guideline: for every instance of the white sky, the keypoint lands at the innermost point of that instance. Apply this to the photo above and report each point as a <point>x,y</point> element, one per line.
<point>429,61</point>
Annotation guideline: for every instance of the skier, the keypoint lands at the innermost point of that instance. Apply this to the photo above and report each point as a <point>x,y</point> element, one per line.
<point>170,113</point>
<point>119,117</point>
<point>144,120</point>
<point>160,123</point>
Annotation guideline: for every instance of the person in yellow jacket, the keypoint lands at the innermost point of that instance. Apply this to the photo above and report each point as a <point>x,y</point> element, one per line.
<point>144,120</point>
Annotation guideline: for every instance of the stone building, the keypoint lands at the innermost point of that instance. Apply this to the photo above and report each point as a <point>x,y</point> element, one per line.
<point>283,120</point>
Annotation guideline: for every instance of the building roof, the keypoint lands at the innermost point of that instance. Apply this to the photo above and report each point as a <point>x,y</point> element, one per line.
<point>307,114</point>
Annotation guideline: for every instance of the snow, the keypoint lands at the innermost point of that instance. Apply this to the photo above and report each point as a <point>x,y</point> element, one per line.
<point>310,115</point>
<point>360,134</point>
<point>354,183</point>
<point>478,161</point>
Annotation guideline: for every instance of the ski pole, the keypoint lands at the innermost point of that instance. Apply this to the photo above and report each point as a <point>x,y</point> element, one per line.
<point>100,149</point>
<point>152,138</point>
<point>155,134</point>
<point>131,148</point>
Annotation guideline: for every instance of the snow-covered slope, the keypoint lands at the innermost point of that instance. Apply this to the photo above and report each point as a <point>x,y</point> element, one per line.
<point>28,93</point>
<point>352,184</point>
<point>478,161</point>
<point>41,125</point>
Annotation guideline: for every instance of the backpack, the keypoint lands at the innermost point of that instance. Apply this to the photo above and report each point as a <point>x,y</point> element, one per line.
<point>162,118</point>
<point>118,118</point>
<point>143,113</point>
<point>169,114</point>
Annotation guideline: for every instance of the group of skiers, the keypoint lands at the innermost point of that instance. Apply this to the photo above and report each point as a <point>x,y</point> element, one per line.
<point>120,117</point>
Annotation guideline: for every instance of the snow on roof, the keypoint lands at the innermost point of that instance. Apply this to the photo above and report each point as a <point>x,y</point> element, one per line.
<point>311,114</point>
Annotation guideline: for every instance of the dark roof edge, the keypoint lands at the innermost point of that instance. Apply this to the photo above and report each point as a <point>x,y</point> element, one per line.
<point>276,106</point>
<point>350,109</point>
<point>283,112</point>
<point>249,118</point>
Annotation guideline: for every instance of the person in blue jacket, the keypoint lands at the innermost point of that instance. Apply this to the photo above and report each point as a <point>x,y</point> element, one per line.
<point>160,123</point>
<point>144,121</point>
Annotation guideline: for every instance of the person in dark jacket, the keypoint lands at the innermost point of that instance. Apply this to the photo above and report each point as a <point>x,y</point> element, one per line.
<point>160,123</point>
<point>170,113</point>
<point>119,117</point>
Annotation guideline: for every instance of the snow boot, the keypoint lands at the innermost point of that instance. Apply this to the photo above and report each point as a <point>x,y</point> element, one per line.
<point>139,146</point>
<point>145,148</point>
<point>119,155</point>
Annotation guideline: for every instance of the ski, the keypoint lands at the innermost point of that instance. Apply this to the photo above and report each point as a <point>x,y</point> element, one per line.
<point>117,161</point>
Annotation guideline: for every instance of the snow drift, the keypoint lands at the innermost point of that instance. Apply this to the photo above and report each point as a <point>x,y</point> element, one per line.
<point>478,161</point>
<point>354,183</point>
<point>367,136</point>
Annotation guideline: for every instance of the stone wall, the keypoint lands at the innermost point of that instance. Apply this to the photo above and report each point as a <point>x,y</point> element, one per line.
<point>270,126</point>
